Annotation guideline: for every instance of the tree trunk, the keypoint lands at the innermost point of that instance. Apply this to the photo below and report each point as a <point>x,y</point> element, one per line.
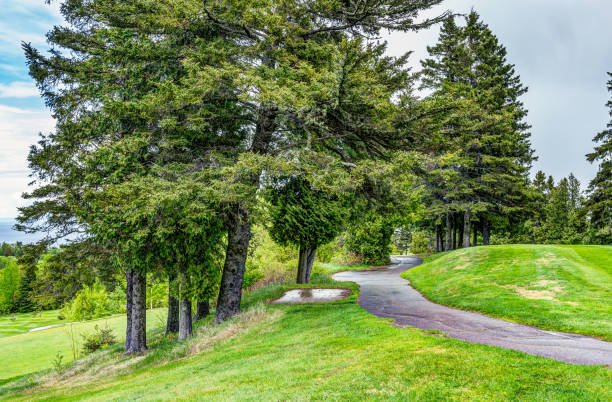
<point>172,325</point>
<point>448,245</point>
<point>485,232</point>
<point>460,233</point>
<point>454,220</point>
<point>138,342</point>
<point>475,230</point>
<point>307,256</point>
<point>128,308</point>
<point>203,310</point>
<point>438,238</point>
<point>466,228</point>
<point>230,291</point>
<point>185,321</point>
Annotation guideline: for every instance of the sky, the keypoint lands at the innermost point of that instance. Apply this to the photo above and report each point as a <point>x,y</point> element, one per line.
<point>561,49</point>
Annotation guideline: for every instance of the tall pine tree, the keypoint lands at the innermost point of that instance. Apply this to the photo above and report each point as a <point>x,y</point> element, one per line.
<point>599,202</point>
<point>469,63</point>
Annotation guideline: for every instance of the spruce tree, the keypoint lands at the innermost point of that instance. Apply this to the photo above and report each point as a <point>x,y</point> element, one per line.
<point>306,218</point>
<point>469,63</point>
<point>599,201</point>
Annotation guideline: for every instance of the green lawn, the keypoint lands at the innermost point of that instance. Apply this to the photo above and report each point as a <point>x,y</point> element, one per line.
<point>563,288</point>
<point>16,324</point>
<point>333,351</point>
<point>34,351</point>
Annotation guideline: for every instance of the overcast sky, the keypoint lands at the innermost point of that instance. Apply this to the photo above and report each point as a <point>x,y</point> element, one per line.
<point>561,49</point>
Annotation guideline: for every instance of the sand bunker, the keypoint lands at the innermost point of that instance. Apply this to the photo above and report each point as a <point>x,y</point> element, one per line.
<point>313,295</point>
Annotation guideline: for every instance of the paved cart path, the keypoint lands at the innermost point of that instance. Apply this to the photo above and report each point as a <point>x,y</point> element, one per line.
<point>385,294</point>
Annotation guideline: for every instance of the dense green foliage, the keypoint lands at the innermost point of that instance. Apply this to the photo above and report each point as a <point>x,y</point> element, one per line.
<point>90,302</point>
<point>420,242</point>
<point>479,141</point>
<point>98,339</point>
<point>9,285</point>
<point>561,288</point>
<point>303,216</point>
<point>371,239</point>
<point>599,203</point>
<point>180,110</point>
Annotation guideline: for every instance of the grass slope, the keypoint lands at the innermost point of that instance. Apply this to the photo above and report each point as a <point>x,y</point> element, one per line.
<point>34,351</point>
<point>332,351</point>
<point>562,288</point>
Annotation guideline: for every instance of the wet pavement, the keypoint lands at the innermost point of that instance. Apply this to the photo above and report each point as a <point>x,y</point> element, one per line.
<point>385,294</point>
<point>313,295</point>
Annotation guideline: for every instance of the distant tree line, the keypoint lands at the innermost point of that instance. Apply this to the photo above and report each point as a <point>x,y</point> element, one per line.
<point>11,250</point>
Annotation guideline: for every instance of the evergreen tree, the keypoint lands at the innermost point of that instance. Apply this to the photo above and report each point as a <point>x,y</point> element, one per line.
<point>558,212</point>
<point>599,202</point>
<point>306,218</point>
<point>494,154</point>
<point>109,84</point>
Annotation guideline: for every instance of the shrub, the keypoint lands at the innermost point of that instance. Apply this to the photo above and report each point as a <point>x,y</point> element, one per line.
<point>326,252</point>
<point>101,338</point>
<point>90,302</point>
<point>419,243</point>
<point>371,239</point>
<point>9,285</point>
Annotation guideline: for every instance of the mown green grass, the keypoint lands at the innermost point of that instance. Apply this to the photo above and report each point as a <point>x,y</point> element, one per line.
<point>34,351</point>
<point>562,288</point>
<point>331,351</point>
<point>15,324</point>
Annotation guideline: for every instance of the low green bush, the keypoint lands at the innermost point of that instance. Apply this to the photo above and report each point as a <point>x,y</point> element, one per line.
<point>419,243</point>
<point>100,338</point>
<point>90,302</point>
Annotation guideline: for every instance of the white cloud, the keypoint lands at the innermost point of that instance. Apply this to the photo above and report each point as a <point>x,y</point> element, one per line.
<point>19,129</point>
<point>18,89</point>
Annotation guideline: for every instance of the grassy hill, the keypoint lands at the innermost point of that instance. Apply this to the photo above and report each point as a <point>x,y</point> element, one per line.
<point>34,351</point>
<point>332,351</point>
<point>562,288</point>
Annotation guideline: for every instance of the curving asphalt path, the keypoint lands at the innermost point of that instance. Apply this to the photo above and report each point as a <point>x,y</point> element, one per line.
<point>385,294</point>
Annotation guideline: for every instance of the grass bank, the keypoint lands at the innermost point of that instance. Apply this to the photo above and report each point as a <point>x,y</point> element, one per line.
<point>332,351</point>
<point>35,351</point>
<point>561,288</point>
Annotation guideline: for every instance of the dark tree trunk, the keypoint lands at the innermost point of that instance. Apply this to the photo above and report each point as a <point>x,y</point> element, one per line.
<point>448,245</point>
<point>230,291</point>
<point>307,256</point>
<point>138,341</point>
<point>475,230</point>
<point>172,325</point>
<point>203,310</point>
<point>485,232</point>
<point>185,322</point>
<point>460,233</point>
<point>239,228</point>
<point>454,220</point>
<point>128,308</point>
<point>466,228</point>
<point>438,238</point>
